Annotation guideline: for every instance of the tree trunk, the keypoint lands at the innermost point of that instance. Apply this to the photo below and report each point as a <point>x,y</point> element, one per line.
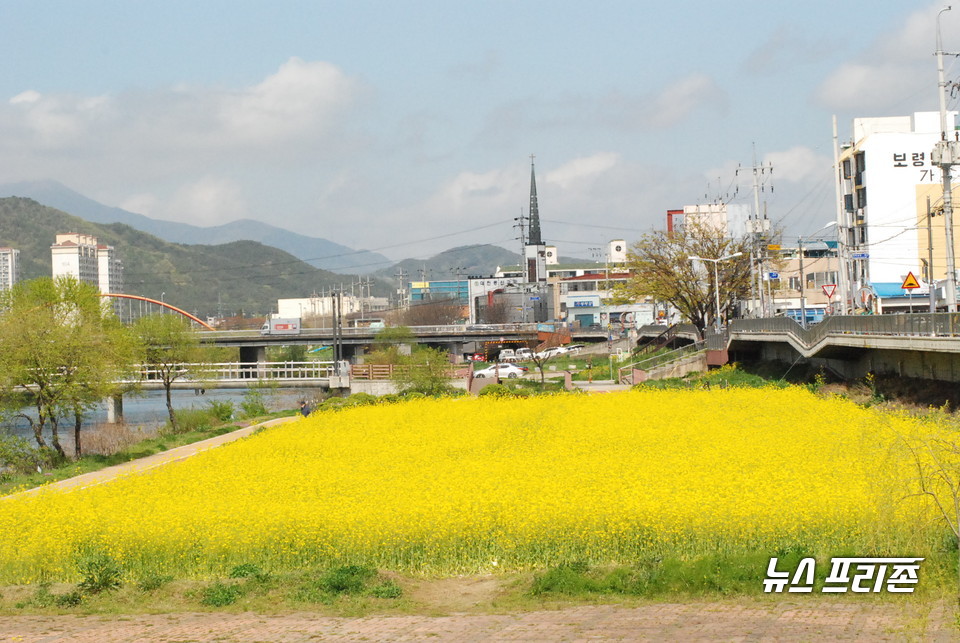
<point>173,418</point>
<point>55,437</point>
<point>77,420</point>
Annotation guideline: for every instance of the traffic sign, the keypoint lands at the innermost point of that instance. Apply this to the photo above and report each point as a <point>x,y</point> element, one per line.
<point>910,282</point>
<point>534,299</point>
<point>774,275</point>
<point>860,255</point>
<point>829,289</point>
<point>773,246</point>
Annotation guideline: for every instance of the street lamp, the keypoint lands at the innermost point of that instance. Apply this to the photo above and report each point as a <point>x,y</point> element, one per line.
<point>716,281</point>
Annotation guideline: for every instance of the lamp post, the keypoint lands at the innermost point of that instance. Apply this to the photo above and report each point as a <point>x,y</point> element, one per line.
<point>716,281</point>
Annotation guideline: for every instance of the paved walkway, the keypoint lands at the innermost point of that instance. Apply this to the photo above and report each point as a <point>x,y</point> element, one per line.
<point>742,620</point>
<point>144,464</point>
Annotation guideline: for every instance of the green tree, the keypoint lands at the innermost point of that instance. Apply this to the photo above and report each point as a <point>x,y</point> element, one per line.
<point>169,345</point>
<point>661,268</point>
<point>419,369</point>
<point>62,342</point>
<point>426,370</point>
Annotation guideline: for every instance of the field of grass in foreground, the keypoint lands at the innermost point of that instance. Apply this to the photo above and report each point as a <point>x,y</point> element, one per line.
<point>474,485</point>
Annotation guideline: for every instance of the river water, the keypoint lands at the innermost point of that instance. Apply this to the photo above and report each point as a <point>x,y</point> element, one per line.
<point>148,410</point>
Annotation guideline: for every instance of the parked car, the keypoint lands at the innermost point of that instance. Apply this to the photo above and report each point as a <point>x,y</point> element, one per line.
<point>547,353</point>
<point>511,371</point>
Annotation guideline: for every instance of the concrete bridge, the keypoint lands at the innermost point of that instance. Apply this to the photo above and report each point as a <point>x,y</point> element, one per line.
<point>455,338</point>
<point>925,346</point>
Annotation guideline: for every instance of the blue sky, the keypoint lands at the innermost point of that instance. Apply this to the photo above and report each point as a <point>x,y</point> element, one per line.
<point>407,126</point>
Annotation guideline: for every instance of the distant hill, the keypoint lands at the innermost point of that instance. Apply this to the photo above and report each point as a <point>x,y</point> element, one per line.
<point>481,260</point>
<point>319,253</point>
<point>241,276</point>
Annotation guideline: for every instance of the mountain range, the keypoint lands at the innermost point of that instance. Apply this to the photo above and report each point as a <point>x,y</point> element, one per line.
<point>320,253</point>
<point>240,277</point>
<point>243,265</point>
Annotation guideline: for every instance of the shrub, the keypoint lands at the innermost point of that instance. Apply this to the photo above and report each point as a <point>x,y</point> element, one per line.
<point>18,456</point>
<point>362,399</point>
<point>220,594</point>
<point>348,579</point>
<point>387,589</point>
<point>188,421</point>
<point>254,403</point>
<point>245,570</point>
<point>70,599</point>
<point>222,410</point>
<point>153,582</point>
<point>495,390</point>
<point>99,571</point>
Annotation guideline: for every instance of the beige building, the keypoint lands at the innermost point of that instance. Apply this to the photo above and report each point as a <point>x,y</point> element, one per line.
<point>82,256</point>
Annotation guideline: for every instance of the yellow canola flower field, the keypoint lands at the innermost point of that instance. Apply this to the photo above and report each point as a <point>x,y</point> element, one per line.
<point>469,484</point>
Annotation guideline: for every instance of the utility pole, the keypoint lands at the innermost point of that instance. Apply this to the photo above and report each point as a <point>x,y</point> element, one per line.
<point>402,290</point>
<point>945,156</point>
<point>931,284</point>
<point>843,227</point>
<point>803,305</point>
<point>520,223</point>
<point>758,229</point>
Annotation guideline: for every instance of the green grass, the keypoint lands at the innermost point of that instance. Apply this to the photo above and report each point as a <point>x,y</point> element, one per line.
<point>353,590</point>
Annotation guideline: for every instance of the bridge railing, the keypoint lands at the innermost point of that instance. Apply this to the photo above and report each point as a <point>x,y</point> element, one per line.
<point>625,373</point>
<point>919,324</point>
<point>246,370</point>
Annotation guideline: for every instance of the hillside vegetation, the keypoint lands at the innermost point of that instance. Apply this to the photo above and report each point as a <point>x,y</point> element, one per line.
<point>243,276</point>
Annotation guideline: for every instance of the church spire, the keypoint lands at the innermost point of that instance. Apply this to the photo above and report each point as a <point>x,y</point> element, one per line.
<point>534,236</point>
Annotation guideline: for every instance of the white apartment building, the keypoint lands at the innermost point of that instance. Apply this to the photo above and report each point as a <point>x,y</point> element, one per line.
<point>83,257</point>
<point>886,178</point>
<point>9,267</point>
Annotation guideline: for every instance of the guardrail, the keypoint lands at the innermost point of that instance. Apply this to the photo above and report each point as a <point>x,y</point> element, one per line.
<point>625,373</point>
<point>443,329</point>
<point>387,371</point>
<point>919,324</point>
<point>246,370</point>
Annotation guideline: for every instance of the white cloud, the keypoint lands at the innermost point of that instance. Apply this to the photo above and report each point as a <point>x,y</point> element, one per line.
<point>29,96</point>
<point>209,201</point>
<point>582,169</point>
<point>895,70</point>
<point>676,102</point>
<point>800,164</point>
<point>145,204</point>
<point>301,98</point>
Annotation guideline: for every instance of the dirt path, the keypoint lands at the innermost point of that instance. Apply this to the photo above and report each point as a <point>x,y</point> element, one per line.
<point>742,620</point>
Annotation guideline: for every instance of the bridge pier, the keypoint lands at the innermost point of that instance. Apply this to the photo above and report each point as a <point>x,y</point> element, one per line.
<point>252,359</point>
<point>114,408</point>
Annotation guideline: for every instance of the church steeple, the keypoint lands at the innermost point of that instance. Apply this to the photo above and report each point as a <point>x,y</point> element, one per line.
<point>534,238</point>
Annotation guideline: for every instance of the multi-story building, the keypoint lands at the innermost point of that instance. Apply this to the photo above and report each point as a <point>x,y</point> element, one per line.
<point>76,255</point>
<point>9,267</point>
<point>887,179</point>
<point>83,257</point>
<point>109,269</point>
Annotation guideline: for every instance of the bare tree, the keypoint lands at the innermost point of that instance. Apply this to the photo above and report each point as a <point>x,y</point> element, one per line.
<point>937,462</point>
<point>661,268</point>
